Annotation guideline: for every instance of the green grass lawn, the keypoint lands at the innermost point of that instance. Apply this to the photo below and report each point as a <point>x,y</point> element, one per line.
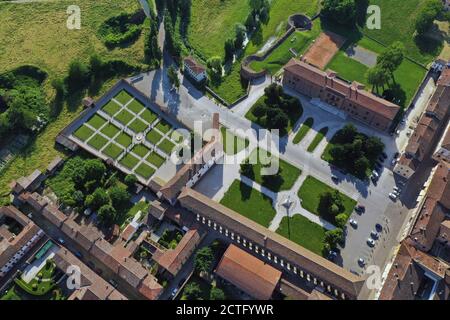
<point>231,86</point>
<point>123,97</point>
<point>310,192</point>
<point>98,141</point>
<point>299,41</point>
<point>124,117</point>
<point>239,144</point>
<point>156,159</point>
<point>148,116</point>
<point>112,150</point>
<point>317,139</point>
<point>145,171</point>
<point>129,161</point>
<point>293,116</point>
<point>304,129</point>
<point>303,232</point>
<point>166,146</point>
<point>397,24</point>
<point>214,20</point>
<point>140,150</point>
<point>111,108</point>
<point>286,180</point>
<point>137,126</point>
<point>163,126</point>
<point>135,106</point>
<point>249,202</point>
<point>124,139</point>
<point>96,121</point>
<point>407,77</point>
<point>110,130</point>
<point>83,133</point>
<point>348,68</point>
<point>153,137</point>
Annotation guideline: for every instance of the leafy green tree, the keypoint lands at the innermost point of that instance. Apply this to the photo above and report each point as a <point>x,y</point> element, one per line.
<point>377,77</point>
<point>173,76</point>
<point>95,169</point>
<point>241,32</point>
<point>392,58</point>
<point>333,237</point>
<point>204,259</point>
<point>427,15</point>
<point>98,199</point>
<point>216,294</point>
<point>130,180</point>
<point>107,214</point>
<point>340,11</point>
<point>192,291</point>
<point>361,166</point>
<point>229,49</point>
<point>120,198</point>
<point>341,220</point>
<point>260,110</point>
<point>214,65</point>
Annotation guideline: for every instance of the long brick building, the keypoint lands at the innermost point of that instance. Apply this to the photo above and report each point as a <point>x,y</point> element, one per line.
<point>350,98</point>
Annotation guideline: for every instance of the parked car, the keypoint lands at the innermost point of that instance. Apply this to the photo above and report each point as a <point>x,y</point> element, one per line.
<point>61,241</point>
<point>370,242</point>
<point>334,177</point>
<point>361,262</point>
<point>393,196</point>
<point>353,223</point>
<point>332,255</point>
<point>78,254</point>
<point>384,155</point>
<point>174,292</point>
<point>374,179</point>
<point>378,227</point>
<point>397,189</point>
<point>394,162</point>
<point>374,235</point>
<point>360,208</point>
<point>375,173</point>
<point>113,283</point>
<point>396,155</point>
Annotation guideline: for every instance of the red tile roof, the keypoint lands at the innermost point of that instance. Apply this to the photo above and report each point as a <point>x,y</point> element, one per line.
<point>352,92</point>
<point>248,273</point>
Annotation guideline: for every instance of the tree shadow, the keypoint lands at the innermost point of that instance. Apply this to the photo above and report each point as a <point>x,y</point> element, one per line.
<point>246,191</point>
<point>428,45</point>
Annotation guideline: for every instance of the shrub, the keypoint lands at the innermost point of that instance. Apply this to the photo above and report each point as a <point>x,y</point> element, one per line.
<point>122,29</point>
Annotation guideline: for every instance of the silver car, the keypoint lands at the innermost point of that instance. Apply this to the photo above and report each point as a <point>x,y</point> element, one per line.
<point>370,242</point>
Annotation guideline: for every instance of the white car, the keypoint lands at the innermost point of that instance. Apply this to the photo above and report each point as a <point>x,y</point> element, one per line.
<point>393,196</point>
<point>397,189</point>
<point>353,223</point>
<point>370,242</point>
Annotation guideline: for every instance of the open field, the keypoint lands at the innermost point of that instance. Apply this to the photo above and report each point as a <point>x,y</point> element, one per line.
<point>310,193</point>
<point>284,181</point>
<point>212,22</point>
<point>397,24</point>
<point>303,232</point>
<point>36,33</point>
<point>249,202</point>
